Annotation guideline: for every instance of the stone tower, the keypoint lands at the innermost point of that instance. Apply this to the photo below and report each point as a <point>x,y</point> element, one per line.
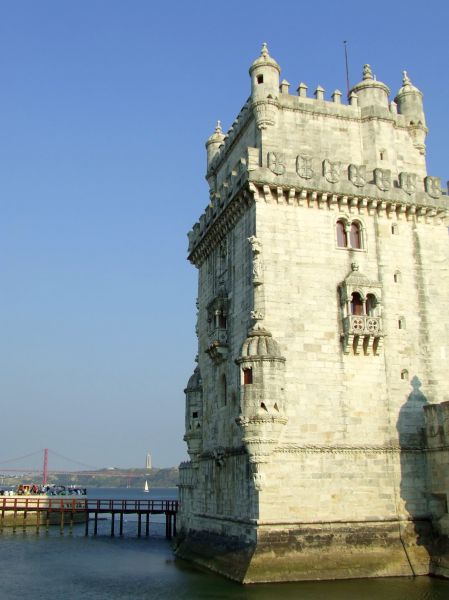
<point>322,259</point>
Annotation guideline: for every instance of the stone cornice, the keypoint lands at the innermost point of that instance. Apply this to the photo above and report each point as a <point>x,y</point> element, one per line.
<point>261,186</point>
<point>290,448</point>
<point>209,234</point>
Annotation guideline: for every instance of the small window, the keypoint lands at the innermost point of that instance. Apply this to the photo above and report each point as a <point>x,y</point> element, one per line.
<point>401,323</point>
<point>356,304</point>
<point>382,155</point>
<point>371,304</point>
<point>247,376</point>
<point>404,374</point>
<point>342,239</point>
<point>355,235</point>
<point>260,79</point>
<point>394,229</point>
<point>221,321</point>
<point>397,277</point>
<point>195,414</point>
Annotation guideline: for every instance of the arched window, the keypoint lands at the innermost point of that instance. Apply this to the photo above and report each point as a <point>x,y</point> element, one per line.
<point>342,238</point>
<point>356,304</point>
<point>371,303</point>
<point>355,235</point>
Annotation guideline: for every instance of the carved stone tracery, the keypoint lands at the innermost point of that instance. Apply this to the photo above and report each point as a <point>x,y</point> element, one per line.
<point>360,300</point>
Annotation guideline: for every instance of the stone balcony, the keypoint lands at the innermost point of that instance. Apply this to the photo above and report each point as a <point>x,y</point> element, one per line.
<point>362,332</point>
<point>218,345</point>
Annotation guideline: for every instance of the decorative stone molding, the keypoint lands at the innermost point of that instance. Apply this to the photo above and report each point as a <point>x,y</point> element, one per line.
<point>304,166</point>
<point>382,178</point>
<point>407,182</point>
<point>257,270</point>
<point>432,186</point>
<point>331,170</point>
<point>202,238</point>
<point>276,163</point>
<point>357,175</point>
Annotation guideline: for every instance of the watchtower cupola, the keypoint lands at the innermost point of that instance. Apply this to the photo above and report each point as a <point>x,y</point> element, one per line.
<point>410,104</point>
<point>371,92</point>
<point>214,142</point>
<point>264,74</point>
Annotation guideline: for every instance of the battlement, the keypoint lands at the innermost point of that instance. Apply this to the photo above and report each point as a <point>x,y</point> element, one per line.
<point>372,150</point>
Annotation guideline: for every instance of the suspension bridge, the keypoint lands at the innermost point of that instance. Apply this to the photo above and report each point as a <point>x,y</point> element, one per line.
<point>14,466</point>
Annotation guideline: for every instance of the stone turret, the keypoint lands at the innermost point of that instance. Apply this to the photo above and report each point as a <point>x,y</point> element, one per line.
<point>262,402</point>
<point>214,142</point>
<point>264,74</point>
<point>410,104</point>
<point>370,92</point>
<point>194,413</point>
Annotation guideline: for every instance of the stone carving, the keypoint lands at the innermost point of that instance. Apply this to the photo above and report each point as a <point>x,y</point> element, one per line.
<point>357,175</point>
<point>304,166</point>
<point>382,178</point>
<point>276,163</point>
<point>257,315</point>
<point>256,248</point>
<point>407,182</point>
<point>432,186</point>
<point>331,170</point>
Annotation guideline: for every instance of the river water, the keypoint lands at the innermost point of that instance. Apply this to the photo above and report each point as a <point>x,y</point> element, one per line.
<point>70,567</point>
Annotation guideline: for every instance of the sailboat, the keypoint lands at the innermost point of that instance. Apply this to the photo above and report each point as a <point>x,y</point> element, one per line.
<point>146,488</point>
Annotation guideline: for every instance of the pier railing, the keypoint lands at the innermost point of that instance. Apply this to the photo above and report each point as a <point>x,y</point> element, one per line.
<point>42,511</point>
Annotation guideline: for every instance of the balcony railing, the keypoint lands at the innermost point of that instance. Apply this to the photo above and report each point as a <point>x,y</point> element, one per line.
<point>362,325</point>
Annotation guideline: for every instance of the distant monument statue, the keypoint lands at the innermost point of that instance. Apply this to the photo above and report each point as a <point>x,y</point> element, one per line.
<point>148,464</point>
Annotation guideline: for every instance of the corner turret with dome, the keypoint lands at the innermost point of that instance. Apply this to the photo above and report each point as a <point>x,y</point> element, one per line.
<point>322,260</point>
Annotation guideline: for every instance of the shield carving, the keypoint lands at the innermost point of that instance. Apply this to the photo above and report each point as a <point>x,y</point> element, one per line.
<point>304,166</point>
<point>432,186</point>
<point>407,182</point>
<point>357,175</point>
<point>331,171</point>
<point>276,163</point>
<point>382,178</point>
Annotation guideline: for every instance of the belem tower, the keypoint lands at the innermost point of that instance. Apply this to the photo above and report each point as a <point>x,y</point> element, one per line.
<point>317,418</point>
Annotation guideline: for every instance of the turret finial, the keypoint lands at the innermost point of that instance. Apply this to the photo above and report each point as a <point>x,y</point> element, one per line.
<point>367,72</point>
<point>406,79</point>
<point>218,127</point>
<point>264,52</point>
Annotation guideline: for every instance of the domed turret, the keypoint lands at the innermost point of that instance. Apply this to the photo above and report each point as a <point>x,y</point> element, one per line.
<point>370,92</point>
<point>214,142</point>
<point>264,74</point>
<point>409,102</point>
<point>260,343</point>
<point>194,414</point>
<point>262,416</point>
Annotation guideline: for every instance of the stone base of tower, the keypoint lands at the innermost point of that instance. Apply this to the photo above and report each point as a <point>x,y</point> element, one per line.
<point>267,553</point>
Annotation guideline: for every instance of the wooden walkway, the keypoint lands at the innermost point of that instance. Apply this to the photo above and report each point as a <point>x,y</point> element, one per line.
<point>26,511</point>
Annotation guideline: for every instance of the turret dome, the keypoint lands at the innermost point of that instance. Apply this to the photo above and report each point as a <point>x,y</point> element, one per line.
<point>260,343</point>
<point>370,91</point>
<point>264,60</point>
<point>195,380</point>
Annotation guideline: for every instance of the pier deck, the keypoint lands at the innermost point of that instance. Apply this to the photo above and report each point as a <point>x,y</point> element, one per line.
<point>41,511</point>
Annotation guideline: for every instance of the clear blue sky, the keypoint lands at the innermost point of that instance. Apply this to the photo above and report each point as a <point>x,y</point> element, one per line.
<point>104,110</point>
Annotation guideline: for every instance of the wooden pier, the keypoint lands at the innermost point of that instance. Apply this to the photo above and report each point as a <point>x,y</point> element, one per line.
<point>41,512</point>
